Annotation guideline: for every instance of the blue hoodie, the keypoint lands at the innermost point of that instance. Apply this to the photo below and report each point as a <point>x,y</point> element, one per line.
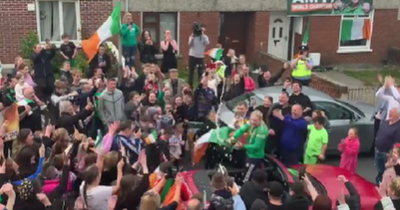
<point>294,133</point>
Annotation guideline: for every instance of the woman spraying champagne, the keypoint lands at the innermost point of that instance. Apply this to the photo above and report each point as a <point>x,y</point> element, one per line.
<point>257,133</point>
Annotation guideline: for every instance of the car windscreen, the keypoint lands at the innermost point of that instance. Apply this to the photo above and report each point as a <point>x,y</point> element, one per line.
<point>231,104</point>
<point>351,107</point>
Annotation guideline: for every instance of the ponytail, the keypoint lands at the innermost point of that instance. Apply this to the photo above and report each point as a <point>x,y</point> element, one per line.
<point>84,196</point>
<point>90,175</point>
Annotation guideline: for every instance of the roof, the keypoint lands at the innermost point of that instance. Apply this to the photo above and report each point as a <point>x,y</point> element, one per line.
<point>275,91</point>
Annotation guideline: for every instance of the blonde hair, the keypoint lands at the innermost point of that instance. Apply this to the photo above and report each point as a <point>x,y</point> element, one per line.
<point>151,77</point>
<point>63,106</point>
<point>394,186</point>
<point>60,84</point>
<point>60,134</point>
<point>76,73</point>
<point>110,160</point>
<point>150,201</point>
<point>126,15</point>
<point>258,114</point>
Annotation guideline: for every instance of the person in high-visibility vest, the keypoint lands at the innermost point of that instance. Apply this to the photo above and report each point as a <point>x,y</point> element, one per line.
<point>302,66</point>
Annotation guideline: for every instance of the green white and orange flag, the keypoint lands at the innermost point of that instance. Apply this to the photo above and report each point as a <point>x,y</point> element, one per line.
<point>215,53</point>
<point>109,28</point>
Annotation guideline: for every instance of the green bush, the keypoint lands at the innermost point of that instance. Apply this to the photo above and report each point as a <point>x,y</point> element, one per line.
<point>27,44</point>
<point>81,62</point>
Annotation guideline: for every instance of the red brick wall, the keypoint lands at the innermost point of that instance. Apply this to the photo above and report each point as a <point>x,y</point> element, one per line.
<point>324,37</point>
<point>258,32</point>
<point>93,14</point>
<point>15,23</point>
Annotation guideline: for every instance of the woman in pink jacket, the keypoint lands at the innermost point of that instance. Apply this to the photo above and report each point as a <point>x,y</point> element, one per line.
<point>249,84</point>
<point>350,146</point>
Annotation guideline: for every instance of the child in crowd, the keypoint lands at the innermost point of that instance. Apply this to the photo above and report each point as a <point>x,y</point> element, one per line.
<point>17,62</point>
<point>176,144</point>
<point>317,141</point>
<point>76,84</point>
<point>350,146</point>
<point>24,70</point>
<point>392,161</point>
<point>21,85</point>
<point>65,73</point>
<point>68,50</point>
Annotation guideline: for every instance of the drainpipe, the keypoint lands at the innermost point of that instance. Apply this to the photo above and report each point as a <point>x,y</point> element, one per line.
<point>290,41</point>
<point>126,5</point>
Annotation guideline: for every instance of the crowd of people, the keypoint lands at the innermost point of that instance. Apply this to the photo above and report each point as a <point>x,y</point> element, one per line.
<point>120,144</point>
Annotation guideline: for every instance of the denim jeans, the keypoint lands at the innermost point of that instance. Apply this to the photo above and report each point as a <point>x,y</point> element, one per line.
<point>380,161</point>
<point>129,53</point>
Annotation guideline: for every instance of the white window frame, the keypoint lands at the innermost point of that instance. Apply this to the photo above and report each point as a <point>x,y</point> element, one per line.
<point>178,21</point>
<point>356,49</point>
<point>78,21</point>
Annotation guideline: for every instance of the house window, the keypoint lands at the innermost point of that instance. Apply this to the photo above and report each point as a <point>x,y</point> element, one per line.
<point>355,33</point>
<point>56,18</point>
<point>158,23</point>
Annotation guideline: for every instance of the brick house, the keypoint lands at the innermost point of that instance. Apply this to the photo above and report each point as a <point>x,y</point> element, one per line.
<point>248,27</point>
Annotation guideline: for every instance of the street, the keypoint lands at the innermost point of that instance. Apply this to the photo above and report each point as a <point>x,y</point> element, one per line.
<point>365,166</point>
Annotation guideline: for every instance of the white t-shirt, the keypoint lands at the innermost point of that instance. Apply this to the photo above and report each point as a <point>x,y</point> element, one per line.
<point>97,198</point>
<point>19,91</point>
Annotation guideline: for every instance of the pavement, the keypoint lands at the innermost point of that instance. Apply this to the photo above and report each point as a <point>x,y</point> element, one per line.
<point>340,79</point>
<point>365,166</point>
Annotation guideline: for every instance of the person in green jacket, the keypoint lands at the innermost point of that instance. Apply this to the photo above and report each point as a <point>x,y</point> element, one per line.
<point>257,133</point>
<point>129,32</point>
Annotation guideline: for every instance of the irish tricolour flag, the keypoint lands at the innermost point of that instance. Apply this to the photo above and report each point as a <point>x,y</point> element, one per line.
<point>109,28</point>
<point>355,29</point>
<point>215,53</point>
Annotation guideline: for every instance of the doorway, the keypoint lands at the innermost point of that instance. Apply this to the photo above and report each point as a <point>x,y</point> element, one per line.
<point>233,31</point>
<point>278,34</point>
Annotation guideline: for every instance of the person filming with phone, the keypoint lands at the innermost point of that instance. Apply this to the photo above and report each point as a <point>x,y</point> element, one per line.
<point>302,66</point>
<point>44,77</point>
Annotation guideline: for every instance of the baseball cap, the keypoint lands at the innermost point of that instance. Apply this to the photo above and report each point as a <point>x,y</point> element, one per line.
<point>259,176</point>
<point>275,189</point>
<point>303,48</point>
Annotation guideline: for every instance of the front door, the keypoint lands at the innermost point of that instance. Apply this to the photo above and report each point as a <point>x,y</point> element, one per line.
<point>278,35</point>
<point>233,31</point>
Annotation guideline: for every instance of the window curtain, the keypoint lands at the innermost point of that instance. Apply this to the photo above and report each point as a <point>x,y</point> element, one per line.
<point>69,20</point>
<point>49,20</point>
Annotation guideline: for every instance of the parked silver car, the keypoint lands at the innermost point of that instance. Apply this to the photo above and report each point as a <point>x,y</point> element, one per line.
<point>342,114</point>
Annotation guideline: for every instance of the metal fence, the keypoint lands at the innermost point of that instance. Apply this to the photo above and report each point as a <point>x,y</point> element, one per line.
<point>365,94</point>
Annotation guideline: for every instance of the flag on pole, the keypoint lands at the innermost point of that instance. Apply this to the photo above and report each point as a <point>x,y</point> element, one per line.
<point>109,28</point>
<point>215,53</point>
<point>355,29</point>
<point>306,34</point>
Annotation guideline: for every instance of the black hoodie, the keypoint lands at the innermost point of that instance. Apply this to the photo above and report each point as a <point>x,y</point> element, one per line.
<point>251,192</point>
<point>221,200</point>
<point>297,202</point>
